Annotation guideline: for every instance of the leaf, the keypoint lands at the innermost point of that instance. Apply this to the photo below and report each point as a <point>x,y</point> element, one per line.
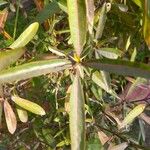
<point>111,53</point>
<point>121,146</point>
<point>94,144</point>
<point>101,23</point>
<point>48,11</point>
<point>63,5</point>
<point>47,134</point>
<point>122,7</point>
<point>90,14</point>
<point>28,105</point>
<point>138,2</point>
<point>76,115</point>
<point>10,117</point>
<point>22,114</point>
<point>56,51</point>
<point>97,78</point>
<point>3,18</point>
<point>26,36</point>
<point>139,90</point>
<point>103,137</point>
<point>145,117</point>
<point>146,26</point>
<point>132,115</point>
<point>120,66</point>
<point>33,69</point>
<point>8,57</point>
<point>77,23</point>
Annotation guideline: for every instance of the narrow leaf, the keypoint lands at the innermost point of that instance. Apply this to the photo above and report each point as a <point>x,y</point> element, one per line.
<point>22,114</point>
<point>28,105</point>
<point>3,18</point>
<point>33,69</point>
<point>103,137</point>
<point>8,57</point>
<point>10,117</point>
<point>77,23</point>
<point>26,36</point>
<point>77,116</point>
<point>98,79</point>
<point>132,115</point>
<point>111,53</point>
<point>146,26</point>
<point>90,14</point>
<point>121,146</point>
<point>120,66</point>
<point>63,5</point>
<point>102,21</point>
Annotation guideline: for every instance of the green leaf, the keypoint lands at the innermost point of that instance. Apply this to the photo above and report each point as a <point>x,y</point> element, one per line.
<point>10,56</point>
<point>33,69</point>
<point>63,5</point>
<point>94,144</point>
<point>138,2</point>
<point>10,117</point>
<point>77,23</point>
<point>111,53</point>
<point>26,36</point>
<point>102,21</point>
<point>98,79</point>
<point>22,114</point>
<point>90,15</point>
<point>146,26</point>
<point>76,115</point>
<point>120,67</point>
<point>132,115</point>
<point>48,11</point>
<point>28,105</point>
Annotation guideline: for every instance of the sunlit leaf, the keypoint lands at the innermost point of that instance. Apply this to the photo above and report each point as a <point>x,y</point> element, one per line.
<point>122,7</point>
<point>3,18</point>
<point>26,36</point>
<point>102,21</point>
<point>10,117</point>
<point>76,115</point>
<point>28,105</point>
<point>136,111</point>
<point>103,137</point>
<point>111,53</point>
<point>22,114</point>
<point>120,67</point>
<point>121,146</point>
<point>138,2</point>
<point>33,69</point>
<point>8,57</point>
<point>90,14</point>
<point>63,5</point>
<point>77,23</point>
<point>97,78</point>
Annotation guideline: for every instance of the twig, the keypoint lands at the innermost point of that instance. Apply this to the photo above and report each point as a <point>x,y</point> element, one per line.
<point>131,143</point>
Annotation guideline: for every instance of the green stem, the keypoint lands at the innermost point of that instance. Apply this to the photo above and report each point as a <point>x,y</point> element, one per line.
<point>16,19</point>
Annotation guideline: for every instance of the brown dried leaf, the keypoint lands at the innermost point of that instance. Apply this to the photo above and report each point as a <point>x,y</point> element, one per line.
<point>10,117</point>
<point>103,137</point>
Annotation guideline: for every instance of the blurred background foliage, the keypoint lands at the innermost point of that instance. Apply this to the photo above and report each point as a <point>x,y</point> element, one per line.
<point>123,30</point>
